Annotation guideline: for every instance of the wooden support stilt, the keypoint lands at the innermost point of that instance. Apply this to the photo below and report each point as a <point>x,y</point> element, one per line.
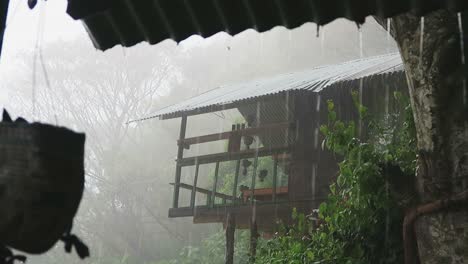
<point>253,240</point>
<point>254,177</point>
<point>180,155</point>
<point>215,184</point>
<point>275,176</point>
<point>230,238</point>
<point>194,188</point>
<point>236,180</point>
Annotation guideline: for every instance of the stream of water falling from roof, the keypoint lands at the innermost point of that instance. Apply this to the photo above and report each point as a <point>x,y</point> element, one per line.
<point>322,40</point>
<point>361,90</point>
<point>462,47</point>
<point>361,49</point>
<point>389,27</point>
<point>421,43</point>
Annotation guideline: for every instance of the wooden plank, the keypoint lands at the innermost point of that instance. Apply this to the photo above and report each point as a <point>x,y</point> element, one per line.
<point>205,191</point>
<point>226,156</point>
<point>181,212</point>
<point>180,155</point>
<point>267,191</point>
<point>254,178</point>
<point>194,187</point>
<point>263,193</point>
<point>236,179</point>
<point>268,128</point>
<point>264,213</point>
<point>215,183</point>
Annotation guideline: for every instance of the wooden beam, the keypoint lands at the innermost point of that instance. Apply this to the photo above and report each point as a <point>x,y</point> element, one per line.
<point>268,128</point>
<point>205,191</point>
<point>236,179</point>
<point>181,212</point>
<point>194,187</point>
<point>215,184</point>
<point>226,156</point>
<point>254,178</point>
<point>180,155</point>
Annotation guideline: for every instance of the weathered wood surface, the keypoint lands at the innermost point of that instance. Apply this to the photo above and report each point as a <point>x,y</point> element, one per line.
<point>270,128</point>
<point>227,156</point>
<point>205,191</point>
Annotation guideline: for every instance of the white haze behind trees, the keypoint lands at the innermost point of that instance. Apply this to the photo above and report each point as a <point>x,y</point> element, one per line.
<point>129,167</point>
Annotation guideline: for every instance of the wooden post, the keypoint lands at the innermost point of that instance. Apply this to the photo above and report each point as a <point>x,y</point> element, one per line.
<point>215,183</point>
<point>194,189</point>
<point>254,176</point>
<point>236,181</point>
<point>275,173</point>
<point>180,155</point>
<point>253,240</point>
<point>230,238</point>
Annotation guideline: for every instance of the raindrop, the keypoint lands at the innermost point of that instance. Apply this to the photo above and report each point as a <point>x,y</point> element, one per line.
<point>318,30</point>
<point>421,42</point>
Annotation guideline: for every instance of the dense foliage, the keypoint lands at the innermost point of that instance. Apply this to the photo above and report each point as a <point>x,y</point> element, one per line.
<point>212,249</point>
<point>362,218</point>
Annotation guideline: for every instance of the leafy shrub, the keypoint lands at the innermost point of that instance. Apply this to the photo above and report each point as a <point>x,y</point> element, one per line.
<point>362,218</point>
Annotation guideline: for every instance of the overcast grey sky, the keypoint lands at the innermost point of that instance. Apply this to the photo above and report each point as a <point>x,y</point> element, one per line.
<point>225,59</point>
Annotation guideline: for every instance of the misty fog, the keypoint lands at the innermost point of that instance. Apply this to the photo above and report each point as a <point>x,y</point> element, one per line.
<point>65,81</point>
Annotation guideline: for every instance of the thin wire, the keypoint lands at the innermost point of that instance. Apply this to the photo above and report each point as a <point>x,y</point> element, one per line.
<point>49,87</point>
<point>34,71</point>
<point>38,51</point>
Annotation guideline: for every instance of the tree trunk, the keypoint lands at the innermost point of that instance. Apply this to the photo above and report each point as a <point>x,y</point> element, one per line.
<point>437,82</point>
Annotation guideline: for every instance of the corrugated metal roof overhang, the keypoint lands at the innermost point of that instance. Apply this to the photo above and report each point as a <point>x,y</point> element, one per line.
<point>313,80</point>
<point>128,22</point>
<point>3,17</point>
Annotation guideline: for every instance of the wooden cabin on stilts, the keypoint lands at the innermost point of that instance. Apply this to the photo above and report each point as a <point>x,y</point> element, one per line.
<point>274,160</point>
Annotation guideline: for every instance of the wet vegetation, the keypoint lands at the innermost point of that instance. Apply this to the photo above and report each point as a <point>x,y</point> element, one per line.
<point>362,218</point>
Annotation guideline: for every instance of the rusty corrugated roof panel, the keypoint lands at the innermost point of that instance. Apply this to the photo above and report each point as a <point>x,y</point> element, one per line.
<point>128,22</point>
<point>313,80</point>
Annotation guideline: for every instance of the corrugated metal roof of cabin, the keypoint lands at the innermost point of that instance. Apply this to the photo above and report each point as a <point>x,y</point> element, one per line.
<point>312,80</point>
<point>128,22</point>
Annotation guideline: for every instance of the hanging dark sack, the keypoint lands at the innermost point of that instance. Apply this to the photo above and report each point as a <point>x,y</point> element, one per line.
<point>41,185</point>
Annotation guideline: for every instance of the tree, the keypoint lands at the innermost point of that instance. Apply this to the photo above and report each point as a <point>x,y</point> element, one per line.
<point>433,51</point>
<point>123,213</point>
